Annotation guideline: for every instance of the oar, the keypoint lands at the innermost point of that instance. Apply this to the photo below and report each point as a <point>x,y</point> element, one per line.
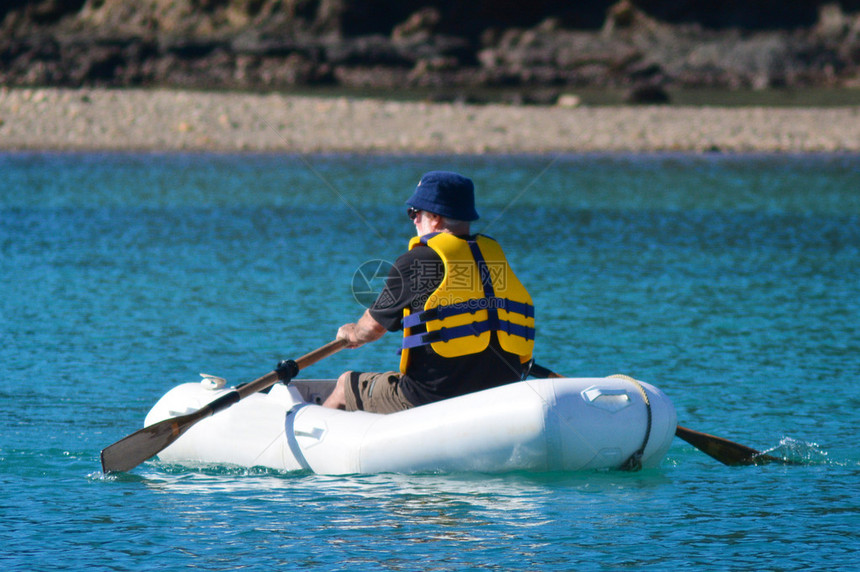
<point>723,450</point>
<point>129,452</point>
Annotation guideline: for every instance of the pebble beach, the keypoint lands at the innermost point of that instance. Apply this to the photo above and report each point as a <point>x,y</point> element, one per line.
<point>176,120</point>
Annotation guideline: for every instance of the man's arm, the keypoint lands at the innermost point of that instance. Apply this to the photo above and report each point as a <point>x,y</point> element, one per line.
<point>367,329</point>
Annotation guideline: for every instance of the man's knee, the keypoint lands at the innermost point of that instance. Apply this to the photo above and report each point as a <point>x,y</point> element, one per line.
<point>342,381</point>
<point>344,377</point>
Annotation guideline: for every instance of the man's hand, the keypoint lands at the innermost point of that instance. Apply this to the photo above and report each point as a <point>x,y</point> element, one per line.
<point>367,329</point>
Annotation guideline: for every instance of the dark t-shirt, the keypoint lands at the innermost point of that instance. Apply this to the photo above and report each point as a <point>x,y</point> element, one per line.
<point>431,377</point>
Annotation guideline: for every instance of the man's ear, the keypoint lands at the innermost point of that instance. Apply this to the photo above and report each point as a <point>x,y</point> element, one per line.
<point>435,220</point>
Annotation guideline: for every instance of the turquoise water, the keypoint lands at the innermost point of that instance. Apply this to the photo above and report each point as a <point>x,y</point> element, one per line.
<point>733,283</point>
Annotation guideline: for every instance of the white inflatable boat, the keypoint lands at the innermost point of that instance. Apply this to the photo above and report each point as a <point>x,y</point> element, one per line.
<point>560,424</point>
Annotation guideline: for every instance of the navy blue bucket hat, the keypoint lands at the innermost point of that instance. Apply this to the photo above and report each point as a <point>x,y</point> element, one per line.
<point>447,194</point>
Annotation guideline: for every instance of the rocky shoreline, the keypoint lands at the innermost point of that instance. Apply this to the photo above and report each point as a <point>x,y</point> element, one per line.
<point>454,51</point>
<point>100,119</point>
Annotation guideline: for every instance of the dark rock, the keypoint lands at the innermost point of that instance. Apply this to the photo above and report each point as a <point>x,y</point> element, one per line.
<point>366,51</point>
<point>422,24</point>
<point>648,95</point>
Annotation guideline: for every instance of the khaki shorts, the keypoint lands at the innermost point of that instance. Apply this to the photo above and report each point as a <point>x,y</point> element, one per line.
<point>375,392</point>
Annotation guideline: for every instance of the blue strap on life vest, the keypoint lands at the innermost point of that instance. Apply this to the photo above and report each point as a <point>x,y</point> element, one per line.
<point>470,307</point>
<point>473,329</point>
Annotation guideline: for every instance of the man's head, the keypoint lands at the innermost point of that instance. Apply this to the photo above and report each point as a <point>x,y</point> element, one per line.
<point>448,197</point>
<point>446,194</point>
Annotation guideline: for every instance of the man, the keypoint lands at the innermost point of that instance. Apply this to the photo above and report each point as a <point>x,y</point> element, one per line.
<point>468,322</point>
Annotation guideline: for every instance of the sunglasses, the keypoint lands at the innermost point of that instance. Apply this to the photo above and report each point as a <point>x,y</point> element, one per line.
<point>412,212</point>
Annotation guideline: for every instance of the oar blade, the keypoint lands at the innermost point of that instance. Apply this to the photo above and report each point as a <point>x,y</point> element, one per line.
<point>129,452</point>
<point>725,451</point>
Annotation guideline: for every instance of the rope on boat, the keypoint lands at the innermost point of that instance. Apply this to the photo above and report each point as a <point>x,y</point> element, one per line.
<point>634,463</point>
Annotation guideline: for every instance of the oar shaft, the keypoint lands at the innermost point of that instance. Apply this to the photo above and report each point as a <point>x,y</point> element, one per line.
<point>306,360</point>
<point>540,371</point>
<point>320,353</point>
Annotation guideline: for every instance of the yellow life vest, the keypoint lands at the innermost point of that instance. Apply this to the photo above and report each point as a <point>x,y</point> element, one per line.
<point>479,294</point>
